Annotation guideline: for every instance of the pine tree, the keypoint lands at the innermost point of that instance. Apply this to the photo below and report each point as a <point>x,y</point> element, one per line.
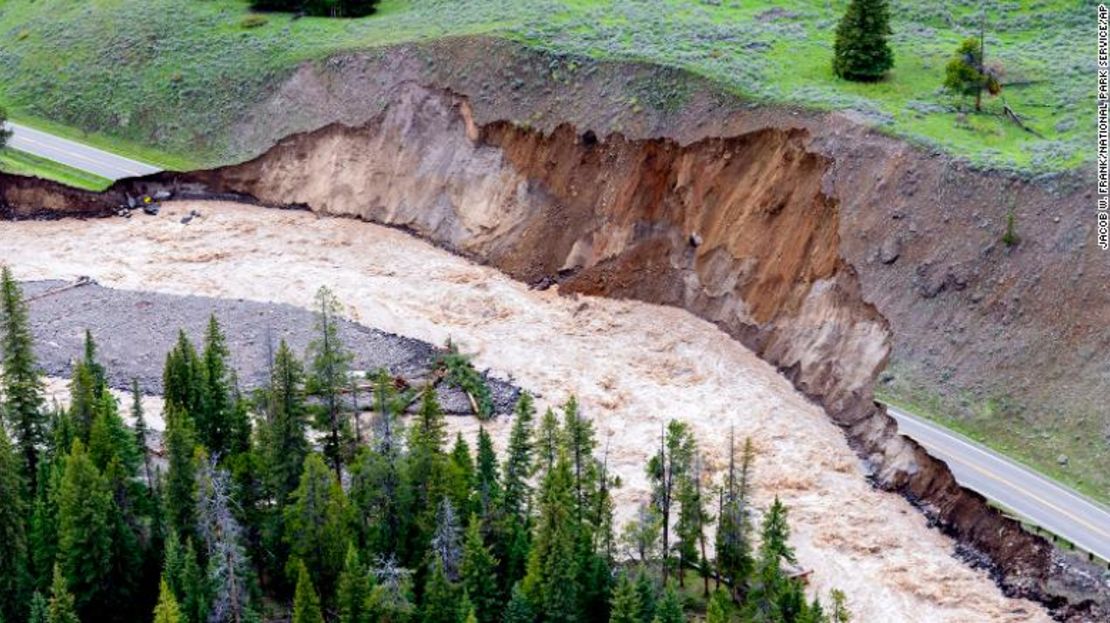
<point>183,383</point>
<point>626,602</point>
<point>316,527</point>
<point>239,426</point>
<point>167,610</point>
<point>647,590</point>
<point>180,484</point>
<point>514,531</point>
<point>62,608</point>
<point>487,485</point>
<point>43,536</point>
<point>140,429</point>
<point>735,561</point>
<point>87,390</point>
<point>193,596</point>
<point>126,552</point>
<point>84,530</point>
<point>306,602</point>
<point>692,518</point>
<point>110,439</point>
<point>21,402</point>
<point>815,613</point>
<point>668,467</point>
<point>428,464</point>
<point>14,576</point>
<point>861,52</point>
<point>773,596</point>
<point>461,475</point>
<point>719,609</point>
<point>519,465</point>
<point>548,441</point>
<point>479,574</point>
<point>669,609</point>
<point>441,604</point>
<point>283,445</point>
<point>551,583</point>
<point>381,497</point>
<point>518,609</point>
<point>578,435</point>
<point>330,371</point>
<point>40,609</point>
<point>353,592</point>
<point>214,418</point>
<point>467,613</point>
<point>776,533</point>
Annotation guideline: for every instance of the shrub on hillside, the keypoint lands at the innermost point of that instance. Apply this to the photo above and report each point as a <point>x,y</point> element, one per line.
<point>253,21</point>
<point>862,52</point>
<point>966,74</point>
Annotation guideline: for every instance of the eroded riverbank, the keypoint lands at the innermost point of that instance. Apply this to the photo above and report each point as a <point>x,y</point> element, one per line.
<point>632,365</point>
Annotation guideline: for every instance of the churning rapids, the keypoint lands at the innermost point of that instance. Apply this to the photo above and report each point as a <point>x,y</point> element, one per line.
<point>632,366</point>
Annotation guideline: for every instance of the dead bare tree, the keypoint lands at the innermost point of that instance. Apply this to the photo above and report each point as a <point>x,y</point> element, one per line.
<point>229,566</point>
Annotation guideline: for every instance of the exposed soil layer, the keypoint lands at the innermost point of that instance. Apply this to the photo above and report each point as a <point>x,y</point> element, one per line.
<point>134,331</point>
<point>814,242</point>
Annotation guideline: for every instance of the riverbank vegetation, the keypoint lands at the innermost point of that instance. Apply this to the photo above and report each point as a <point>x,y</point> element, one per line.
<point>266,506</point>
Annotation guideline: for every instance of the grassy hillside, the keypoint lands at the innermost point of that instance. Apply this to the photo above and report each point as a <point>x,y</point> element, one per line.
<point>23,163</point>
<point>168,77</point>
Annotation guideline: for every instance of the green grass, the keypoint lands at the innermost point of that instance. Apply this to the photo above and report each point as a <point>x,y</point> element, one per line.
<point>1035,446</point>
<point>115,144</point>
<point>174,76</point>
<point>23,163</point>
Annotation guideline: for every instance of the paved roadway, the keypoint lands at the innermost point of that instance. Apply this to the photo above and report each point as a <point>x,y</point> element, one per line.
<point>1018,488</point>
<point>76,155</point>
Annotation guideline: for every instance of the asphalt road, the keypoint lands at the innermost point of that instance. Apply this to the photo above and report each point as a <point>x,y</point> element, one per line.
<point>1042,501</point>
<point>76,155</point>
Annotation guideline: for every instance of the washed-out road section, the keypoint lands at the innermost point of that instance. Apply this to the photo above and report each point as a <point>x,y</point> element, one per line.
<point>76,155</point>
<point>1017,488</point>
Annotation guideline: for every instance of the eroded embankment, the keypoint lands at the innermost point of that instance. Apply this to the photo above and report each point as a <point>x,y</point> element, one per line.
<point>736,230</point>
<point>633,366</point>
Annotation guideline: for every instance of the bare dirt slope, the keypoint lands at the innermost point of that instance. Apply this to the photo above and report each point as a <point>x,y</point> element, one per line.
<point>633,365</point>
<point>996,336</point>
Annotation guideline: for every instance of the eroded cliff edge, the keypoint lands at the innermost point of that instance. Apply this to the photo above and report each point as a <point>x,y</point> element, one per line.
<point>740,231</point>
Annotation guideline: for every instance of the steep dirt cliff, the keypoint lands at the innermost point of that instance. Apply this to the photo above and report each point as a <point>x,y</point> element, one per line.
<point>741,231</point>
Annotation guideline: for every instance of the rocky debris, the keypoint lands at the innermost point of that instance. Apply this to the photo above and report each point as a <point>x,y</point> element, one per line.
<point>1062,460</point>
<point>134,331</point>
<point>890,250</point>
<point>188,218</point>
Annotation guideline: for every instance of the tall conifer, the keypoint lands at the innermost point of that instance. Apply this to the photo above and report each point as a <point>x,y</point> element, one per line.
<point>21,402</point>
<point>861,51</point>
